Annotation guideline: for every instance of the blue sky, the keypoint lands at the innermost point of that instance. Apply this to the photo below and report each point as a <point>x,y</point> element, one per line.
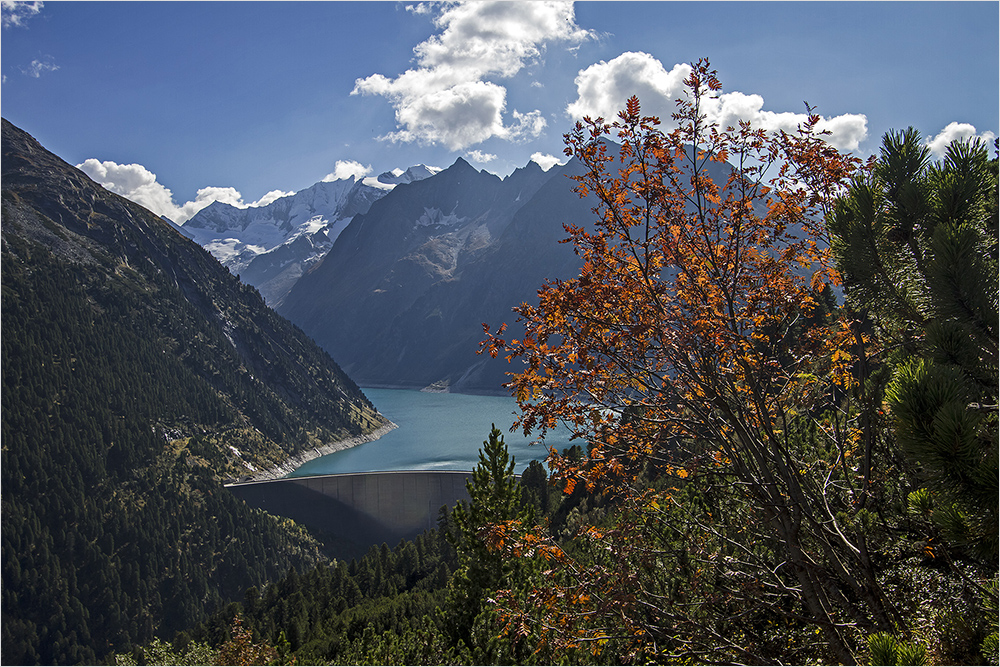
<point>180,103</point>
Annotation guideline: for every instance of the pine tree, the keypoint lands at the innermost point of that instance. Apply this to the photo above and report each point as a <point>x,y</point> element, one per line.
<point>916,242</point>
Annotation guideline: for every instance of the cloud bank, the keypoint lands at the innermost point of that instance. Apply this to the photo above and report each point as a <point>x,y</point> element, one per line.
<point>480,157</point>
<point>603,88</point>
<point>545,161</point>
<point>135,182</point>
<point>447,99</point>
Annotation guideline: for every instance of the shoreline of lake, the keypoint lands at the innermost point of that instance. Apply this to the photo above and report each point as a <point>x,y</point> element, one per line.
<point>295,462</point>
<point>430,389</point>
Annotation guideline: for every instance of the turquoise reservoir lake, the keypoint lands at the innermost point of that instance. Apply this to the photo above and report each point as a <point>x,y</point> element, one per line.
<point>436,432</point>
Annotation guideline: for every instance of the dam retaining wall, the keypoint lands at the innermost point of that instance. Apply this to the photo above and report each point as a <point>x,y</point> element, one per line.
<point>358,510</point>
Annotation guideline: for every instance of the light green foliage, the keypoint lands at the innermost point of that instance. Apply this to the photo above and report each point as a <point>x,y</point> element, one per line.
<point>884,649</point>
<point>990,647</point>
<point>493,489</point>
<point>159,652</point>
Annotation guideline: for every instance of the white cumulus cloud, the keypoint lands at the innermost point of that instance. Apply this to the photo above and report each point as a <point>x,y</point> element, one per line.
<point>603,88</point>
<point>545,161</point>
<point>481,157</point>
<point>343,169</point>
<point>16,12</point>
<point>419,8</point>
<point>448,97</point>
<point>135,182</point>
<point>956,132</point>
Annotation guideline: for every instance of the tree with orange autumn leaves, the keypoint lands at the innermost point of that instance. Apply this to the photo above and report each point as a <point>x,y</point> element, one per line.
<point>727,412</point>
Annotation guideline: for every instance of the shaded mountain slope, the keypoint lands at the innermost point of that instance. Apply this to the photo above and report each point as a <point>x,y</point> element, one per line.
<point>137,375</point>
<point>402,295</point>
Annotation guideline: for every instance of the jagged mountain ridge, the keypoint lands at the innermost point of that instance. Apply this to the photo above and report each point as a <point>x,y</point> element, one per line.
<point>271,246</point>
<point>412,280</point>
<point>402,295</point>
<point>401,176</point>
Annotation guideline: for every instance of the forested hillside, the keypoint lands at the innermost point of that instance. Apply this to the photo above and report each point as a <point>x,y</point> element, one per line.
<point>138,374</point>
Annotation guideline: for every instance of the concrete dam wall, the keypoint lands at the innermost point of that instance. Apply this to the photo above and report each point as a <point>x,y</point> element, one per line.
<point>360,509</point>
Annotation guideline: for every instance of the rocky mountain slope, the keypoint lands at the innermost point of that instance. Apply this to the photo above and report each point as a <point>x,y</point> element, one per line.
<point>138,374</point>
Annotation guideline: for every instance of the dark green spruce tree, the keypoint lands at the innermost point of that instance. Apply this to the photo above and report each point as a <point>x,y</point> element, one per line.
<point>496,498</point>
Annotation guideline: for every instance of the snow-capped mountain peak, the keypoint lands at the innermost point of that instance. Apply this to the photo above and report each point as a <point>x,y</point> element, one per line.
<point>302,226</point>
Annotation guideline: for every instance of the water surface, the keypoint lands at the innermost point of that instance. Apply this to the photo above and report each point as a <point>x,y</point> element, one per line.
<point>436,432</point>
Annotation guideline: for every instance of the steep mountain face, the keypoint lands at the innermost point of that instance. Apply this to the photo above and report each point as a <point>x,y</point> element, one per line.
<point>271,246</point>
<point>54,206</point>
<point>138,374</point>
<point>402,295</point>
